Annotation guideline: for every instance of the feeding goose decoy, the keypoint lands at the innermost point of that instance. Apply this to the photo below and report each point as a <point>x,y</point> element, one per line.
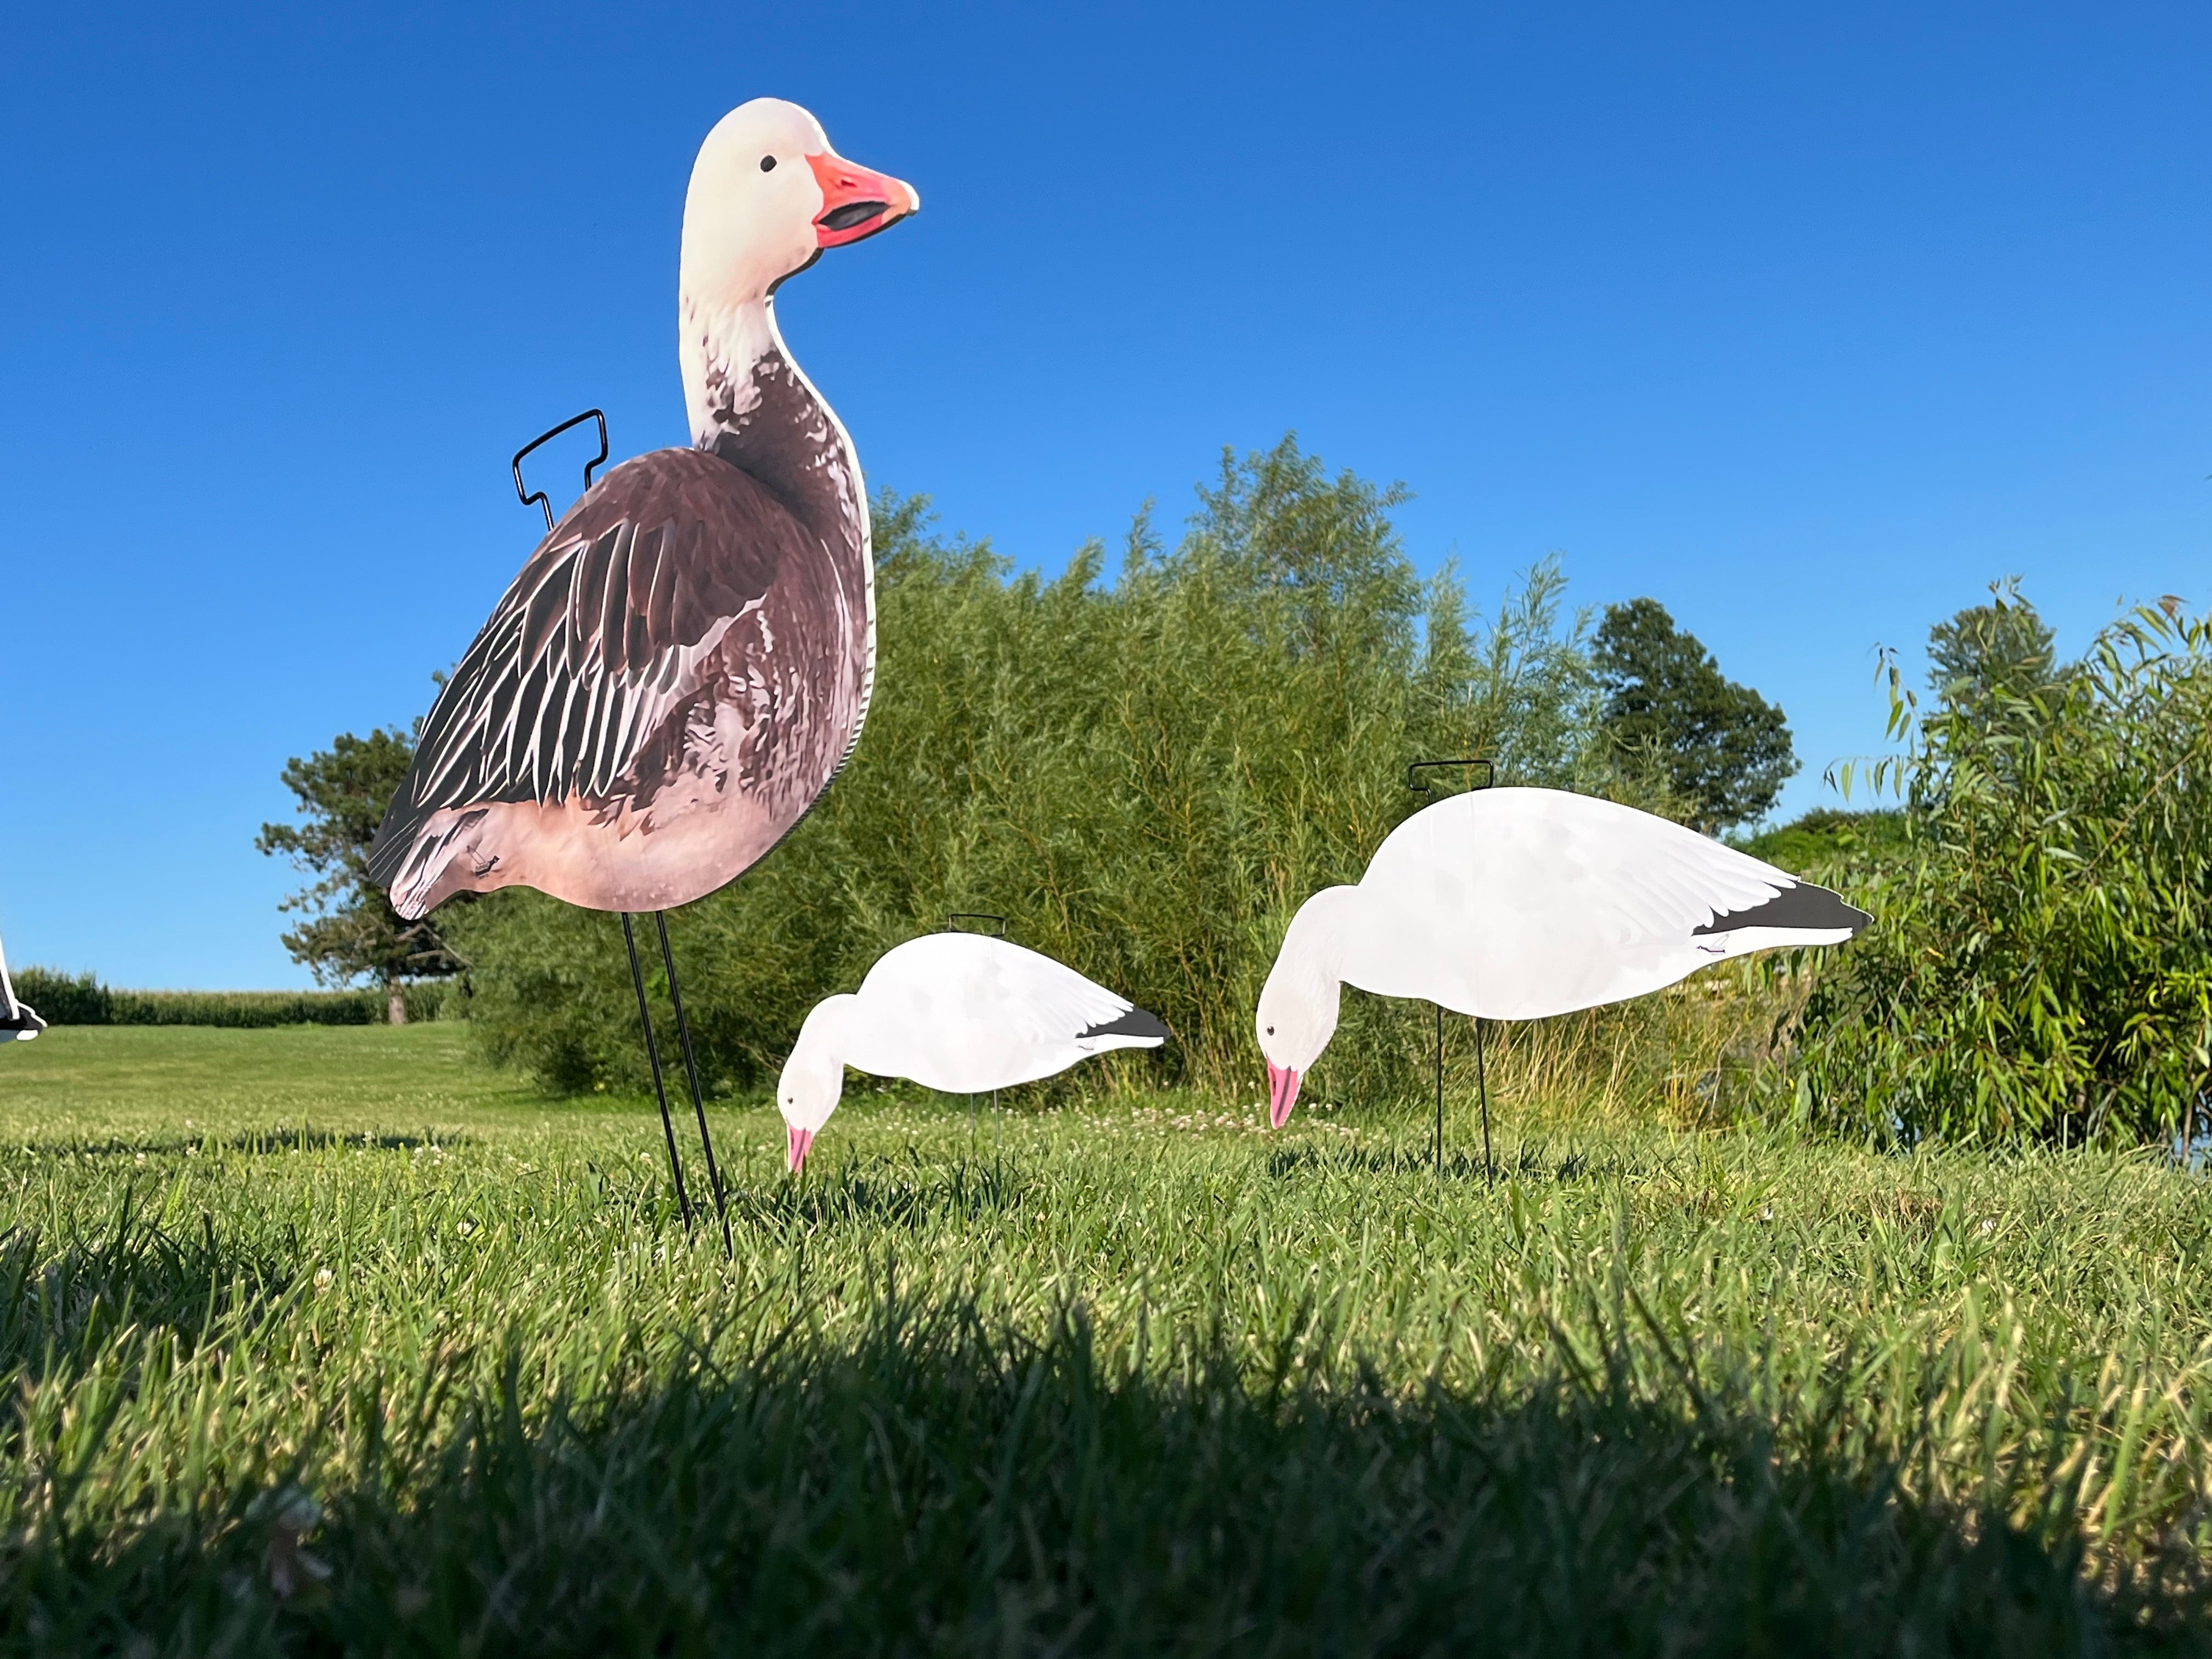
<point>686,661</point>
<point>19,1021</point>
<point>1518,903</point>
<point>962,1012</point>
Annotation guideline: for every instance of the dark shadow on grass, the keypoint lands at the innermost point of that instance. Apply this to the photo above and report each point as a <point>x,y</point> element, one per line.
<point>64,1298</point>
<point>940,1486</point>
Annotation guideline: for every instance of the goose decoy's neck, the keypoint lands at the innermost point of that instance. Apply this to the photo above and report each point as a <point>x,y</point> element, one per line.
<point>750,404</point>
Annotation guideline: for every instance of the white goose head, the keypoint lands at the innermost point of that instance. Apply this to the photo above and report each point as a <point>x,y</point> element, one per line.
<point>768,195</point>
<point>813,1078</point>
<point>1298,1005</point>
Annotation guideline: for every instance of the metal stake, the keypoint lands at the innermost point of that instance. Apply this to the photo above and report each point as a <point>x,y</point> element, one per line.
<point>691,1067</point>
<point>1420,786</point>
<point>1482,1089</point>
<point>653,1054</point>
<point>1440,1091</point>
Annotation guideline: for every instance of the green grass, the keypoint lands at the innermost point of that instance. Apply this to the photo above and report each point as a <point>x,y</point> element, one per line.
<point>322,1341</point>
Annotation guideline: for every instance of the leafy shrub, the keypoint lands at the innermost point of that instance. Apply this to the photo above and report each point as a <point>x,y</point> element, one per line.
<point>1828,841</point>
<point>63,998</point>
<point>2041,961</point>
<point>1146,776</point>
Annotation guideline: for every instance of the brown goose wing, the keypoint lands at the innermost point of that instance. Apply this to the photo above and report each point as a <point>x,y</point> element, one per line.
<point>599,640</point>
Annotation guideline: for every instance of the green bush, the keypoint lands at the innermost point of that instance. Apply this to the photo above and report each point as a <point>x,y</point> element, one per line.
<point>81,1000</point>
<point>1827,841</point>
<point>63,999</point>
<point>1146,775</point>
<point>2041,961</point>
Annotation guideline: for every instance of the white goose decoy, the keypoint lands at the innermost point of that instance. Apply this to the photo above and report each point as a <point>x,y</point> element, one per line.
<point>19,1021</point>
<point>684,664</point>
<point>962,1012</point>
<point>1519,904</point>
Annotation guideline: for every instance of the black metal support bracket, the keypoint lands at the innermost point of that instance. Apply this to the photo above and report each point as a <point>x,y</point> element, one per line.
<point>538,496</point>
<point>539,499</point>
<point>653,1054</point>
<point>698,1095</point>
<point>1482,1089</point>
<point>1415,782</point>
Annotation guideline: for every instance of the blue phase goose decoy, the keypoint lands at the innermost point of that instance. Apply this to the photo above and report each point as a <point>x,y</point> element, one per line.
<point>1520,903</point>
<point>684,663</point>
<point>962,1012</point>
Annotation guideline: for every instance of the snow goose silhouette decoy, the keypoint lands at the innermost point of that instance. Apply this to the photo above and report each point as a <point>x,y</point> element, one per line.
<point>962,1012</point>
<point>684,662</point>
<point>19,1021</point>
<point>1517,903</point>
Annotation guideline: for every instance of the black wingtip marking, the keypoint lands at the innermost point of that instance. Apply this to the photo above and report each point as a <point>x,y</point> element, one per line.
<point>1136,1022</point>
<point>1803,905</point>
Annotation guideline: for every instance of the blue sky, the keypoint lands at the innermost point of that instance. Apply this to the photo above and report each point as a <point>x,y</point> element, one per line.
<point>1807,322</point>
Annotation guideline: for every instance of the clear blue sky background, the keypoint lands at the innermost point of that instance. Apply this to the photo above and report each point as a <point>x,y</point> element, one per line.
<point>1806,321</point>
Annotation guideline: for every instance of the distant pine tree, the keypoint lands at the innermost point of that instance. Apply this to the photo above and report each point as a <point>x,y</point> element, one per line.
<point>351,931</point>
<point>1724,750</point>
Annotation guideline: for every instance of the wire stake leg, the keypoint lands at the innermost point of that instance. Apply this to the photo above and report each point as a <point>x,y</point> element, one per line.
<point>1482,1088</point>
<point>1440,1091</point>
<point>653,1054</point>
<point>698,1097</point>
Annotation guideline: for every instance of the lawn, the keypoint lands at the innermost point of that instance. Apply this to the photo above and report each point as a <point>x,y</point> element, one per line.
<point>329,1340</point>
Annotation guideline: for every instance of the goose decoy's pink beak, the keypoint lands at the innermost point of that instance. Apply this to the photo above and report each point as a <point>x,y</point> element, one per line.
<point>801,1143</point>
<point>1282,1093</point>
<point>857,201</point>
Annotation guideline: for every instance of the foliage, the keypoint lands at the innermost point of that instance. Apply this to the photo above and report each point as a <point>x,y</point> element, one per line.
<point>1830,841</point>
<point>81,1000</point>
<point>443,1375</point>
<point>1723,749</point>
<point>1986,654</point>
<point>64,999</point>
<point>1146,776</point>
<point>351,931</point>
<point>2041,965</point>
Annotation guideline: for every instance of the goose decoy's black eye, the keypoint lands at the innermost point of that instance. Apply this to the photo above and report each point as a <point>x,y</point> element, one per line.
<point>1271,1030</point>
<point>767,164</point>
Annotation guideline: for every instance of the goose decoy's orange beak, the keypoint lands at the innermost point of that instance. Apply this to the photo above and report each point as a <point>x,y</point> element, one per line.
<point>801,1143</point>
<point>1282,1093</point>
<point>857,203</point>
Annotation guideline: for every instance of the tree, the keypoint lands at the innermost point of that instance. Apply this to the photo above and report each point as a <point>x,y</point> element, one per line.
<point>1723,748</point>
<point>1986,654</point>
<point>2038,966</point>
<point>351,931</point>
